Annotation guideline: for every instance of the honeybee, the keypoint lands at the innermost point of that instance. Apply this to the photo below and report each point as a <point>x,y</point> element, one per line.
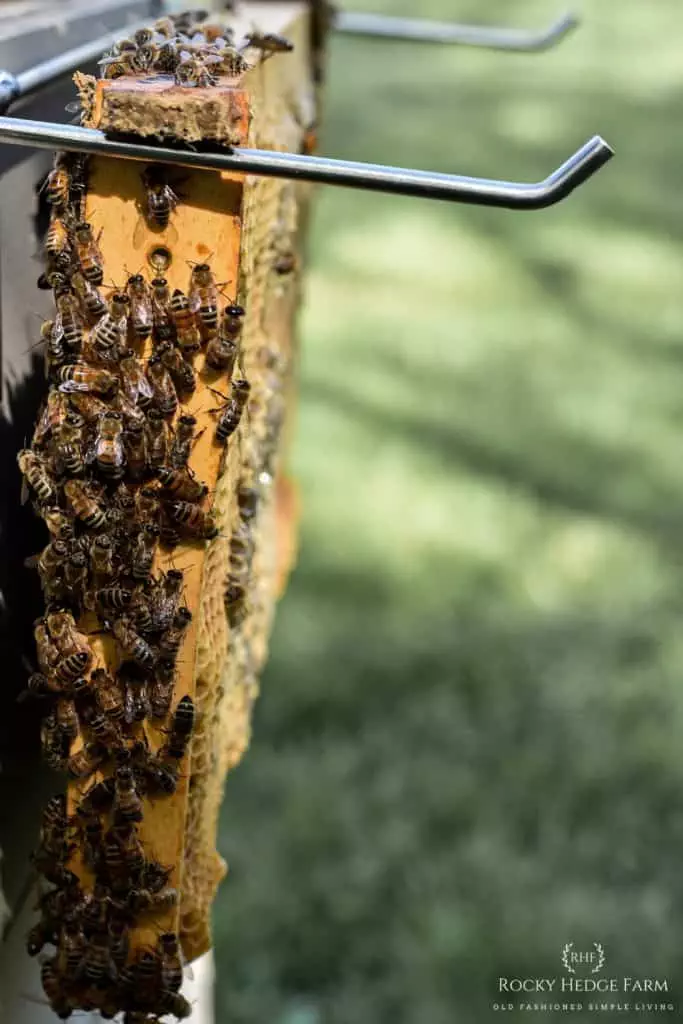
<point>102,556</point>
<point>50,419</point>
<point>193,71</point>
<point>64,634</point>
<point>159,779</point>
<point>58,244</point>
<point>46,652</point>
<point>53,987</point>
<point>54,278</point>
<point>147,977</point>
<point>98,799</point>
<point>134,384</point>
<point>232,319</point>
<point>68,325</point>
<point>165,598</point>
<point>163,324</point>
<point>167,57</point>
<point>113,599</point>
<point>88,252</point>
<point>140,306</point>
<point>132,644</point>
<point>72,666</point>
<point>143,551</point>
<point>181,484</point>
<point>229,420</point>
<point>137,703</point>
<point>39,936</point>
<point>93,833</point>
<point>58,523</point>
<point>106,733</point>
<point>36,475</point>
<point>181,372</point>
<point>84,378</point>
<point>229,61</point>
<point>108,336</point>
<point>203,299</point>
<point>235,599</point>
<point>127,803</point>
<point>222,351</point>
<point>109,451</point>
<point>135,440</point>
<point>175,1004</point>
<point>165,397</point>
<point>160,198</point>
<point>38,685</point>
<point>55,353</point>
<point>158,437</point>
<point>57,186</point>
<point>142,61</point>
<point>170,642</point>
<point>98,967</point>
<point>84,505</point>
<point>269,43</point>
<point>126,58</point>
<point>221,354</point>
<point>76,573</point>
<point>55,824</point>
<point>67,718</point>
<point>192,519</point>
<point>114,69</point>
<point>90,408</point>
<point>171,962</point>
<point>69,445</point>
<point>160,696</point>
<point>182,441</point>
<point>141,901</point>
<point>86,761</point>
<point>146,505</point>
<point>169,536</point>
<point>94,909</point>
<point>181,730</point>
<point>90,299</point>
<point>117,930</point>
<point>71,947</point>
<point>78,170</point>
<point>189,338</point>
<point>108,694</point>
<point>54,747</point>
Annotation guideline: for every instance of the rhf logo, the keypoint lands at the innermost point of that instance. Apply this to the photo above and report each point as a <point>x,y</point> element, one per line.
<point>593,958</point>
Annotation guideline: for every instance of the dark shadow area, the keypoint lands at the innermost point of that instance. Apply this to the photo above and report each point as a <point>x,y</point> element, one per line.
<point>23,782</point>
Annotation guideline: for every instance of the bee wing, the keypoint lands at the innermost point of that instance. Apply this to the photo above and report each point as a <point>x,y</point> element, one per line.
<point>90,452</point>
<point>145,389</point>
<point>110,58</point>
<point>69,387</point>
<point>25,493</point>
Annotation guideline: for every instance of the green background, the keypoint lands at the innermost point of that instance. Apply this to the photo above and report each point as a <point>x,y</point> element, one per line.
<point>467,751</point>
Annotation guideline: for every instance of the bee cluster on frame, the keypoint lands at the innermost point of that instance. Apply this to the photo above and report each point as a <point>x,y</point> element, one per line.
<point>192,54</point>
<point>109,469</point>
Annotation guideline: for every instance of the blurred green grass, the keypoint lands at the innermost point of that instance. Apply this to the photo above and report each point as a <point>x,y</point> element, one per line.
<point>467,749</point>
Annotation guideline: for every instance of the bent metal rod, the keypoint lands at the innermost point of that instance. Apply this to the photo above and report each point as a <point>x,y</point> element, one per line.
<point>373,177</point>
<point>419,30</point>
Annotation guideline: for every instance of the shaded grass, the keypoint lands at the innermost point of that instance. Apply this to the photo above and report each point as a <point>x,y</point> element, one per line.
<point>467,749</point>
